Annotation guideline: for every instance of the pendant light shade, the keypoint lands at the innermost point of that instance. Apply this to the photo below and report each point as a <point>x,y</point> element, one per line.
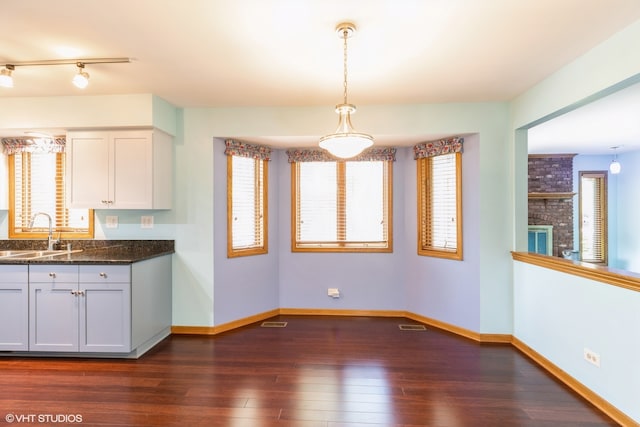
<point>345,142</point>
<point>615,167</point>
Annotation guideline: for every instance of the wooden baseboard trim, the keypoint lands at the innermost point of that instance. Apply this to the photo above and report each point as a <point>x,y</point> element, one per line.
<point>575,385</point>
<point>213,330</point>
<point>457,330</point>
<point>352,313</point>
<point>192,330</point>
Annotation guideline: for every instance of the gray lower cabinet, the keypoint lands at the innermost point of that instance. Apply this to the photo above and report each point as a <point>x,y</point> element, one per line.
<point>100,310</point>
<point>78,308</point>
<point>105,308</point>
<point>14,308</point>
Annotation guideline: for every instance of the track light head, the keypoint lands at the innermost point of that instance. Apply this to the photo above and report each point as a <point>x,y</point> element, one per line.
<point>81,80</point>
<point>5,76</point>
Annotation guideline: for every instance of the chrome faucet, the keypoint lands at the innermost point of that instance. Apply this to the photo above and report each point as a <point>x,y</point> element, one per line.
<point>50,240</point>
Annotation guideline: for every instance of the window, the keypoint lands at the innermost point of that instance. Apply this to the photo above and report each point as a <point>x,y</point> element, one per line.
<point>341,206</point>
<point>593,217</point>
<point>440,206</point>
<point>246,204</point>
<point>36,184</point>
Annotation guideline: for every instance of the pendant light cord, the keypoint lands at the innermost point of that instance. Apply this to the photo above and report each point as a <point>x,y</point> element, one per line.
<point>345,34</point>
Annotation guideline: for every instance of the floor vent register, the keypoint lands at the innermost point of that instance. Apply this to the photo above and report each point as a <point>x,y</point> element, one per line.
<point>273,324</point>
<point>412,327</point>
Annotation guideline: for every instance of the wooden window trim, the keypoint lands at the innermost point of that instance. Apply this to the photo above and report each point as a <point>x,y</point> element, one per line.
<point>343,246</point>
<point>601,175</point>
<point>60,181</point>
<point>257,250</point>
<point>423,173</point>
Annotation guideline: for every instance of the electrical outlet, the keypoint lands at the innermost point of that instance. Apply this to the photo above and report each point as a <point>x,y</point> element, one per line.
<point>333,292</point>
<point>112,221</point>
<point>592,357</point>
<point>146,221</point>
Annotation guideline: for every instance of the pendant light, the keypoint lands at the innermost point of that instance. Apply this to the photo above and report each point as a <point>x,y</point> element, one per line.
<point>615,166</point>
<point>345,142</point>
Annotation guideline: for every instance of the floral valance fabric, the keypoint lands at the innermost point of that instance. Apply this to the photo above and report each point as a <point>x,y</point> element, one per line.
<point>243,149</point>
<point>437,148</point>
<point>318,155</point>
<point>33,145</point>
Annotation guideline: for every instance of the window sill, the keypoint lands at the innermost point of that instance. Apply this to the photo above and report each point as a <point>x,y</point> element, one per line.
<point>611,276</point>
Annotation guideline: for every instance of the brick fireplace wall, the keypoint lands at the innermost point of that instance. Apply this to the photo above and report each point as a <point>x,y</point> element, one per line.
<point>551,197</point>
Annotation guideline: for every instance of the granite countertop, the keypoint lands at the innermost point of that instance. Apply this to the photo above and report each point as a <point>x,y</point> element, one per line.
<point>91,251</point>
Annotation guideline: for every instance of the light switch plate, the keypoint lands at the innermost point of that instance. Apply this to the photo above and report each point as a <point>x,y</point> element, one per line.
<point>146,221</point>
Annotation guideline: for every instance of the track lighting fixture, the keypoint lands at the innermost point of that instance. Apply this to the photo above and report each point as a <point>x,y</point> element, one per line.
<point>81,79</point>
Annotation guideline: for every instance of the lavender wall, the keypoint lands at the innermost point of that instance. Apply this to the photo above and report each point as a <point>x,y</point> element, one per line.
<point>244,286</point>
<point>448,290</point>
<point>367,281</point>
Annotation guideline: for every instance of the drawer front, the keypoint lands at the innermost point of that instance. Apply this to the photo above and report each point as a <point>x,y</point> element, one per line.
<point>105,273</point>
<point>14,273</point>
<point>53,273</point>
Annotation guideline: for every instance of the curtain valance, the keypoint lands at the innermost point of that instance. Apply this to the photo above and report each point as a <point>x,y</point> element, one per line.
<point>318,155</point>
<point>437,148</point>
<point>33,145</point>
<point>243,149</point>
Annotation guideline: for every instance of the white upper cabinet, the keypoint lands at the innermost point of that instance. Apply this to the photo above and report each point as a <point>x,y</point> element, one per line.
<point>119,169</point>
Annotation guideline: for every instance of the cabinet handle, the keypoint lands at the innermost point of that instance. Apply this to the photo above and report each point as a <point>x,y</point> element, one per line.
<point>52,275</point>
<point>103,275</point>
<point>81,293</point>
<point>74,293</point>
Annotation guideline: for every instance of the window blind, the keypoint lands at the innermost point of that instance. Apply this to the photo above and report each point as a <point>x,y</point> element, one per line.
<point>317,202</point>
<point>247,204</point>
<point>38,186</point>
<point>442,228</point>
<point>342,205</point>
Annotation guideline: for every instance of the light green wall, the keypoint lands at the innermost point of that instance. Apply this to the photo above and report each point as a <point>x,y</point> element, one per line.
<point>556,314</point>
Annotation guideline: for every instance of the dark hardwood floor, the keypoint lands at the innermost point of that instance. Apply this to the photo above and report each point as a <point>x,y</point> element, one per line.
<point>317,371</point>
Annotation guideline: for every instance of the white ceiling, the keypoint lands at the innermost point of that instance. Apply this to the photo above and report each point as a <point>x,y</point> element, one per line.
<point>207,53</point>
<point>613,121</point>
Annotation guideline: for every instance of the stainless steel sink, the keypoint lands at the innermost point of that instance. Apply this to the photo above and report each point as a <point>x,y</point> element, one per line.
<point>26,254</point>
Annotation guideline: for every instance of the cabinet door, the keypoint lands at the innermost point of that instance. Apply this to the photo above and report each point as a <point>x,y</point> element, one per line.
<point>105,310</point>
<point>14,308</point>
<point>132,170</point>
<point>53,316</point>
<point>87,182</point>
<point>53,307</point>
